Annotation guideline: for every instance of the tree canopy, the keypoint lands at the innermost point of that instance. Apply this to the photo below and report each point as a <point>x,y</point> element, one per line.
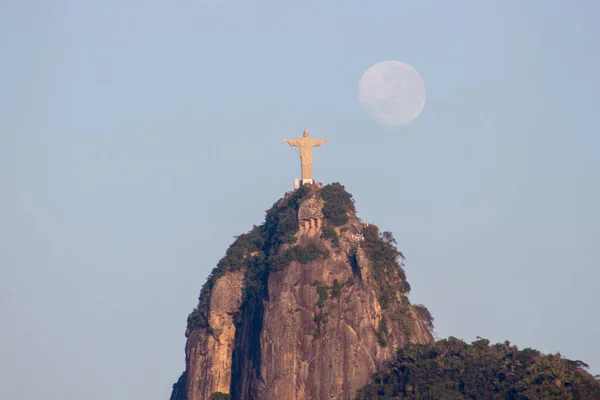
<point>451,369</point>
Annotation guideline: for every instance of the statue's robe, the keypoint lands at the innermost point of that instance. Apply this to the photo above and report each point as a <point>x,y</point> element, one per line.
<point>306,143</point>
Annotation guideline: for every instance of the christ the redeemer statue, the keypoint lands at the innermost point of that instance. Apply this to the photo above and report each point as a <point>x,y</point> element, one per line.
<point>306,143</point>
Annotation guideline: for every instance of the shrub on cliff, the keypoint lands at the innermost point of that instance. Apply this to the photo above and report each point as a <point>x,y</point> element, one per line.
<point>337,203</point>
<point>302,254</point>
<point>453,369</point>
<point>281,221</point>
<point>328,232</point>
<point>382,332</point>
<point>384,256</point>
<point>323,295</point>
<point>425,315</point>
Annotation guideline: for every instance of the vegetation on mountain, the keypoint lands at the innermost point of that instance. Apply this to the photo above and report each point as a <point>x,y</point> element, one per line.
<point>425,315</point>
<point>323,295</point>
<point>319,319</point>
<point>328,232</point>
<point>336,289</point>
<point>388,273</point>
<point>302,254</point>
<point>382,332</point>
<point>451,369</point>
<point>337,203</point>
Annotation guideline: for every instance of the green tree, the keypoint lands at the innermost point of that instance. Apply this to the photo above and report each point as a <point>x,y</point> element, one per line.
<point>425,315</point>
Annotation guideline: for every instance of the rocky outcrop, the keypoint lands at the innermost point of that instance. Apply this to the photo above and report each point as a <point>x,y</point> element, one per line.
<point>208,351</point>
<point>301,308</point>
<point>328,350</point>
<point>310,216</point>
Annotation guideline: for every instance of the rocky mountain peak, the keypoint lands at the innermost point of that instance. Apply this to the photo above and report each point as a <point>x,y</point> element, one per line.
<point>308,305</point>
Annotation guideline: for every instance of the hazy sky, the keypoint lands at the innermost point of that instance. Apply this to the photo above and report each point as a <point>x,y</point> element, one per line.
<point>138,137</point>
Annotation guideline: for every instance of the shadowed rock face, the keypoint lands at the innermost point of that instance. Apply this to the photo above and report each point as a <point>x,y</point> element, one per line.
<point>317,330</point>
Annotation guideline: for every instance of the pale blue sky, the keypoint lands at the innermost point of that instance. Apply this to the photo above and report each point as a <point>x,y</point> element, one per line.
<point>137,138</point>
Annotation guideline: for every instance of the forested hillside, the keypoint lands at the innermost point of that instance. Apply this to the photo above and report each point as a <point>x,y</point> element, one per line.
<point>451,369</point>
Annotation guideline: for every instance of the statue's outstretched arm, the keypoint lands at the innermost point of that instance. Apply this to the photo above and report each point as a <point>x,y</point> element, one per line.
<point>292,142</point>
<point>319,142</point>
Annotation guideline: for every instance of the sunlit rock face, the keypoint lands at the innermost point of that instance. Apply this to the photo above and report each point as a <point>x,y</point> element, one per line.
<point>300,307</point>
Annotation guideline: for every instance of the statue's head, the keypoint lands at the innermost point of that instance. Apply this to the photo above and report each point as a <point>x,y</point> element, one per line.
<point>305,134</point>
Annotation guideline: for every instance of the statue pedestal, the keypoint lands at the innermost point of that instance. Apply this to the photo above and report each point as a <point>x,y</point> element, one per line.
<point>301,182</point>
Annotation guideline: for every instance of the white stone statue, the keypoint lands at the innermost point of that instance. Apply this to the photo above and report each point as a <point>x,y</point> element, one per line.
<point>306,143</point>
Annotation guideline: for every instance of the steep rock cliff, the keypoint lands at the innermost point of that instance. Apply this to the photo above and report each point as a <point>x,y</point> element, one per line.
<point>306,306</point>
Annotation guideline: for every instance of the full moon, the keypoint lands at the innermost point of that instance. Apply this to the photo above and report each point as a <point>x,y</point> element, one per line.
<point>392,93</point>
